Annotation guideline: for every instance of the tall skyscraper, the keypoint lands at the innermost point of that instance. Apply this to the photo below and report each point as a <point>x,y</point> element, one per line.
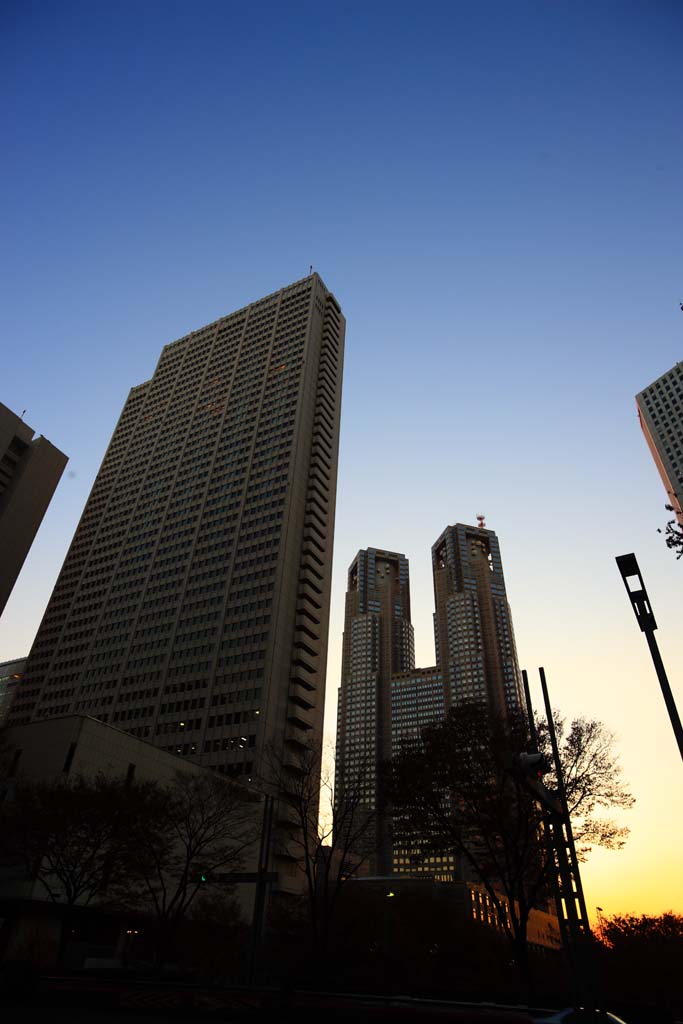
<point>660,410</point>
<point>30,469</point>
<point>384,700</point>
<point>474,639</point>
<point>378,642</point>
<point>192,608</point>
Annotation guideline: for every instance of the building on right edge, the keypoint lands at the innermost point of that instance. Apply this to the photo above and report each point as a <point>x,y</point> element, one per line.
<point>385,701</point>
<point>660,411</point>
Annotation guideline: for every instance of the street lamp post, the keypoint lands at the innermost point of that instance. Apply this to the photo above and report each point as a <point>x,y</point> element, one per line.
<point>635,588</point>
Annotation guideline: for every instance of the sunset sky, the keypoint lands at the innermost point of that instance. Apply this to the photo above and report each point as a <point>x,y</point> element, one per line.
<point>493,192</point>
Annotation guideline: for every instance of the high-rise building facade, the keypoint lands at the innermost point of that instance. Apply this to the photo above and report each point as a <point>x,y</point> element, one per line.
<point>30,469</point>
<point>378,642</point>
<point>474,639</point>
<point>418,699</point>
<point>384,700</point>
<point>660,410</point>
<point>192,608</point>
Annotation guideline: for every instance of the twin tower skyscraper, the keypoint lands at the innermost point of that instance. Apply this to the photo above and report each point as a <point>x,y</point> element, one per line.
<point>192,609</point>
<point>384,699</point>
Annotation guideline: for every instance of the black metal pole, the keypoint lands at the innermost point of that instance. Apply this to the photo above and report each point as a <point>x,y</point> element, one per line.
<point>562,793</point>
<point>260,894</point>
<point>585,980</point>
<point>557,854</point>
<point>666,689</point>
<point>530,712</point>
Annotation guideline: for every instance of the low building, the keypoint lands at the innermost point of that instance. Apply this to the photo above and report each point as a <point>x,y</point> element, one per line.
<point>11,672</point>
<point>543,927</point>
<point>78,745</point>
<point>73,747</point>
<point>467,901</point>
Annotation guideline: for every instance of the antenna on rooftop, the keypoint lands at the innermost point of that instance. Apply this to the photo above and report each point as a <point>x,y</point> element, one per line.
<point>481,522</point>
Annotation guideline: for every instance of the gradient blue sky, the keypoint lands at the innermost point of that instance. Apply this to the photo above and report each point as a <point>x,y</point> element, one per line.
<point>492,190</point>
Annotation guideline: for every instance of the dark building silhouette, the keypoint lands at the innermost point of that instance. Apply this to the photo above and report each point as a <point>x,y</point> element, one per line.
<point>30,469</point>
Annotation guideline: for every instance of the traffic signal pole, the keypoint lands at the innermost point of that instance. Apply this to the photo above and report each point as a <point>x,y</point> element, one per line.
<point>582,918</point>
<point>530,713</point>
<point>263,877</point>
<point>565,875</point>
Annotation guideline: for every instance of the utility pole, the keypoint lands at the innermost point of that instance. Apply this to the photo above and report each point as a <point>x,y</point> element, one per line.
<point>640,602</point>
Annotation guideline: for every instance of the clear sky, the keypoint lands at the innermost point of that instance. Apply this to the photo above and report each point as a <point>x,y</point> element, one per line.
<point>493,192</point>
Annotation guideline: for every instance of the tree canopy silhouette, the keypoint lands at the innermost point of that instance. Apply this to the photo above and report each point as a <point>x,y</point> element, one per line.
<point>452,790</point>
<point>673,534</point>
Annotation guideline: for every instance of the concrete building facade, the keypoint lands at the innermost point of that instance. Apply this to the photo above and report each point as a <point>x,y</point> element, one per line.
<point>77,746</point>
<point>56,751</point>
<point>660,411</point>
<point>378,642</point>
<point>30,469</point>
<point>192,608</point>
